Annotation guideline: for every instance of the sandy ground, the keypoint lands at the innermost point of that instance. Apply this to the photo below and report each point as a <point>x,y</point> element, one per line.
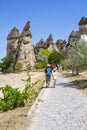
<point>16,79</point>
<point>17,119</point>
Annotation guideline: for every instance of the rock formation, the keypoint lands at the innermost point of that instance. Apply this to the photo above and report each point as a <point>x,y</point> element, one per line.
<point>73,39</point>
<point>76,36</point>
<point>61,46</point>
<point>48,44</point>
<point>39,46</point>
<point>83,28</point>
<point>19,45</point>
<point>12,42</point>
<point>83,25</point>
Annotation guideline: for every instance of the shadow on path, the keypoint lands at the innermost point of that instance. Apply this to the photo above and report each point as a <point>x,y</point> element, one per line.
<point>71,85</point>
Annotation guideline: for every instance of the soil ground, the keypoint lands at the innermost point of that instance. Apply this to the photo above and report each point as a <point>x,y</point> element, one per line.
<point>17,119</point>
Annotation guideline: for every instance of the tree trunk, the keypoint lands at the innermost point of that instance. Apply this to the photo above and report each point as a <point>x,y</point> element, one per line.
<point>77,72</point>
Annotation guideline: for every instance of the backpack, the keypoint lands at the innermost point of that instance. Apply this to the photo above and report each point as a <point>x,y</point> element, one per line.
<point>48,72</point>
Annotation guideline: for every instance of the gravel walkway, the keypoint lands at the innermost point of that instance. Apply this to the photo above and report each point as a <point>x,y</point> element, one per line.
<point>62,108</point>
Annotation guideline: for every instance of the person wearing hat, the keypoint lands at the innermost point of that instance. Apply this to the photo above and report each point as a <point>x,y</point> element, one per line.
<point>48,73</point>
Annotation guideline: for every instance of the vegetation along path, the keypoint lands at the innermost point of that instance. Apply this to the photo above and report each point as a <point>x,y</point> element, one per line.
<point>61,108</point>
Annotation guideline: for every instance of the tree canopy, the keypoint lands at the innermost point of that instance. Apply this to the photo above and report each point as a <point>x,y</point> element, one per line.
<point>55,58</point>
<point>77,59</point>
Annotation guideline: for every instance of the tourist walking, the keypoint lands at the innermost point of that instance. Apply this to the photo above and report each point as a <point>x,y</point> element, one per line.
<point>54,76</point>
<point>48,73</point>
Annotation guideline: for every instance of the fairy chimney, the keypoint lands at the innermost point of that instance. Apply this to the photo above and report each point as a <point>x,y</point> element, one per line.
<point>83,28</point>
<point>26,53</point>
<point>20,46</point>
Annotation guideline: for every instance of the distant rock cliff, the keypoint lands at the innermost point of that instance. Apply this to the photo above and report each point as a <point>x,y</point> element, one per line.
<point>48,44</point>
<point>20,46</point>
<point>79,35</point>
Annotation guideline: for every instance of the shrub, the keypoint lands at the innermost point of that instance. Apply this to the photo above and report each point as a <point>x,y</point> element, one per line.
<point>39,65</point>
<point>18,66</point>
<point>12,98</point>
<point>7,62</point>
<point>29,67</point>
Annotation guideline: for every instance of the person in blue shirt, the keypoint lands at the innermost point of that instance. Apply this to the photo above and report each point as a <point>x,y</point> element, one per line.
<point>48,73</point>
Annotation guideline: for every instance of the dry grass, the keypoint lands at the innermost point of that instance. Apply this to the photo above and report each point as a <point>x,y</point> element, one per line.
<point>14,119</point>
<point>17,119</point>
<point>80,81</point>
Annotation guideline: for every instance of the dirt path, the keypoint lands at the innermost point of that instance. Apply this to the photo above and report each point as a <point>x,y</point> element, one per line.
<point>63,108</point>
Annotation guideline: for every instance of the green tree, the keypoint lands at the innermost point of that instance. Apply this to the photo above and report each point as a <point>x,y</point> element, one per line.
<point>18,66</point>
<point>42,58</point>
<point>44,52</point>
<point>77,59</point>
<point>7,62</point>
<point>55,58</point>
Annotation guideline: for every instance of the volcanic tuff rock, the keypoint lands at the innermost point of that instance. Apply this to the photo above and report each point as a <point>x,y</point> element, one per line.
<point>12,41</point>
<point>48,44</point>
<point>61,46</point>
<point>83,28</point>
<point>73,38</point>
<point>20,46</point>
<point>80,35</point>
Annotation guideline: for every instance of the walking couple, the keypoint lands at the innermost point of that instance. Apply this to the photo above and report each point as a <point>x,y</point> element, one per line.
<point>50,73</point>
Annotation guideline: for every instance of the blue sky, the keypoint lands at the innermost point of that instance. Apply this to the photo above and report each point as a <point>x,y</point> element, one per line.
<point>56,17</point>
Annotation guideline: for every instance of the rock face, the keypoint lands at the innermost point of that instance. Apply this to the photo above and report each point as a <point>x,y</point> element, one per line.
<point>83,25</point>
<point>39,46</point>
<point>20,46</point>
<point>76,36</point>
<point>83,28</point>
<point>12,42</point>
<point>48,44</point>
<point>61,46</point>
<point>73,39</point>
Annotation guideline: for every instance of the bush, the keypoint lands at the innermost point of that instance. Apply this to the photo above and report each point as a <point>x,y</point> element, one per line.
<point>12,98</point>
<point>29,67</point>
<point>40,65</point>
<point>10,69</point>
<point>7,62</point>
<point>18,66</point>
